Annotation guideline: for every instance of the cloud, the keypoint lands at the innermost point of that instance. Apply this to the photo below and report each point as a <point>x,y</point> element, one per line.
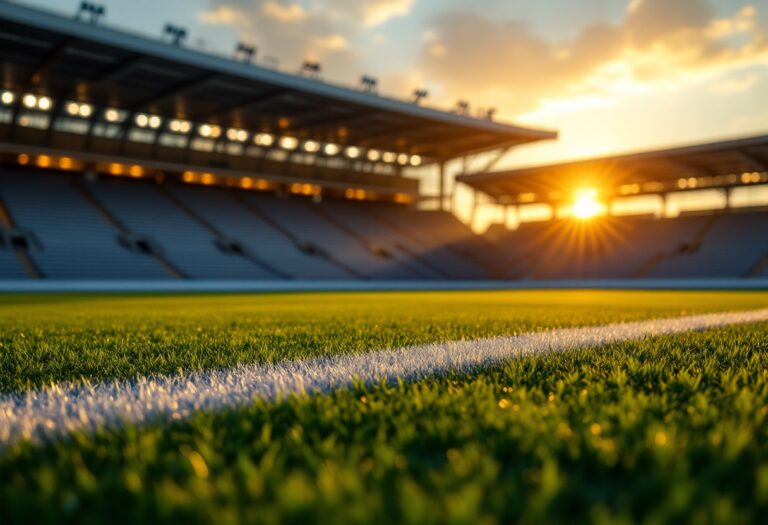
<point>378,12</point>
<point>293,31</point>
<point>283,13</point>
<point>658,41</point>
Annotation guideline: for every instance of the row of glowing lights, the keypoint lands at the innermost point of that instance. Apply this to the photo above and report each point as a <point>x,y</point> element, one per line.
<point>134,170</point>
<point>586,204</point>
<point>67,163</point>
<point>213,131</point>
<point>683,183</point>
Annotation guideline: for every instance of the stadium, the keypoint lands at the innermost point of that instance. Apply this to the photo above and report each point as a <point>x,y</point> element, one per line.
<point>231,293</point>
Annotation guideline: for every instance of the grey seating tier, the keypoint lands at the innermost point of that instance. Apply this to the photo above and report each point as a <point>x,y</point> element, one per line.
<point>75,241</point>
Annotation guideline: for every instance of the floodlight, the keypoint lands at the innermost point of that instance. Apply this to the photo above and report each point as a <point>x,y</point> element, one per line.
<point>311,146</point>
<point>310,69</point>
<point>288,142</point>
<point>389,157</point>
<point>29,100</point>
<point>112,115</point>
<point>245,52</point>
<point>7,98</point>
<point>402,159</point>
<point>44,103</point>
<point>180,126</point>
<point>85,110</point>
<point>264,139</point>
<point>142,120</point>
<point>177,33</point>
<point>155,121</point>
<point>419,95</point>
<point>416,160</point>
<point>369,84</point>
<point>73,108</point>
<point>237,134</point>
<point>331,149</point>
<point>373,155</point>
<point>209,130</point>
<point>353,152</point>
<point>90,11</point>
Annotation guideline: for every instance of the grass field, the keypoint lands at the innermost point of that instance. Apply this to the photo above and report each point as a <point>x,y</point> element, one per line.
<point>668,429</point>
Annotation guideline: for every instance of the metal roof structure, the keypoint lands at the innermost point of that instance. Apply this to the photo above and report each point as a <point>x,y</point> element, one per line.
<point>722,164</point>
<point>67,59</point>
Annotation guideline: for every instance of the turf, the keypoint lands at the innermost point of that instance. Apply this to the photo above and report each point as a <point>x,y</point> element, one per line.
<point>47,338</point>
<point>667,430</point>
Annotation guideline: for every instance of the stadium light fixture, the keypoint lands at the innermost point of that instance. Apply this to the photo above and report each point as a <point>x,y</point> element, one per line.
<point>44,103</point>
<point>331,149</point>
<point>389,157</point>
<point>180,126</point>
<point>264,139</point>
<point>209,131</point>
<point>462,107</point>
<point>369,84</point>
<point>402,159</point>
<point>416,160</point>
<point>419,95</point>
<point>237,135</point>
<point>155,121</point>
<point>29,100</point>
<point>373,155</point>
<point>289,143</point>
<point>310,69</point>
<point>353,152</point>
<point>77,109</point>
<point>245,53</point>
<point>311,146</point>
<point>585,204</point>
<point>177,33</point>
<point>7,98</point>
<point>90,10</point>
<point>142,120</point>
<point>113,115</point>
<point>33,101</point>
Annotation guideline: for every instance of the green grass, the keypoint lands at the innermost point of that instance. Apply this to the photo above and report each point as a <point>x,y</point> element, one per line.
<point>45,338</point>
<point>668,430</point>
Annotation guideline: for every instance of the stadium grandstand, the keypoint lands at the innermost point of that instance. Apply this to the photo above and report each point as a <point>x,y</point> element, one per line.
<point>729,241</point>
<point>127,158</point>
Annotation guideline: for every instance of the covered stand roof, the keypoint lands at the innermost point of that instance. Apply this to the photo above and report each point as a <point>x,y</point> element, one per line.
<point>64,58</point>
<point>713,165</point>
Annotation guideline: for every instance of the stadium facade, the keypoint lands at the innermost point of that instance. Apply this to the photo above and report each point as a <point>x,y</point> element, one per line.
<point>125,158</point>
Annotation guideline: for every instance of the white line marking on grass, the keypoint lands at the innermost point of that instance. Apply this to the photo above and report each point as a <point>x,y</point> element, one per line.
<point>54,411</point>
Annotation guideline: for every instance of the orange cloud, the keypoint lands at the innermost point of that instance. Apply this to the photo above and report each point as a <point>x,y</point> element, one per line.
<point>658,41</point>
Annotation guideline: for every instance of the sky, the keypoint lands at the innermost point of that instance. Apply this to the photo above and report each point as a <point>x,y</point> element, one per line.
<point>610,75</point>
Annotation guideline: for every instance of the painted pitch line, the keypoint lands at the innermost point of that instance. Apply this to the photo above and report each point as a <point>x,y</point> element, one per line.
<point>54,411</point>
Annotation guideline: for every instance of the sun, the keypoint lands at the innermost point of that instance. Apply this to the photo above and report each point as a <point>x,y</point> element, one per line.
<point>585,205</point>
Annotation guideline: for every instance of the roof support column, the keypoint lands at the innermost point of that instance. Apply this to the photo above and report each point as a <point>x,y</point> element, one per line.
<point>473,212</point>
<point>441,184</point>
<point>727,193</point>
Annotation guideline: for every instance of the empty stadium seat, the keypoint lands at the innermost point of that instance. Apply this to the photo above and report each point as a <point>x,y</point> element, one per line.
<point>76,242</point>
<point>232,216</point>
<point>188,245</point>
